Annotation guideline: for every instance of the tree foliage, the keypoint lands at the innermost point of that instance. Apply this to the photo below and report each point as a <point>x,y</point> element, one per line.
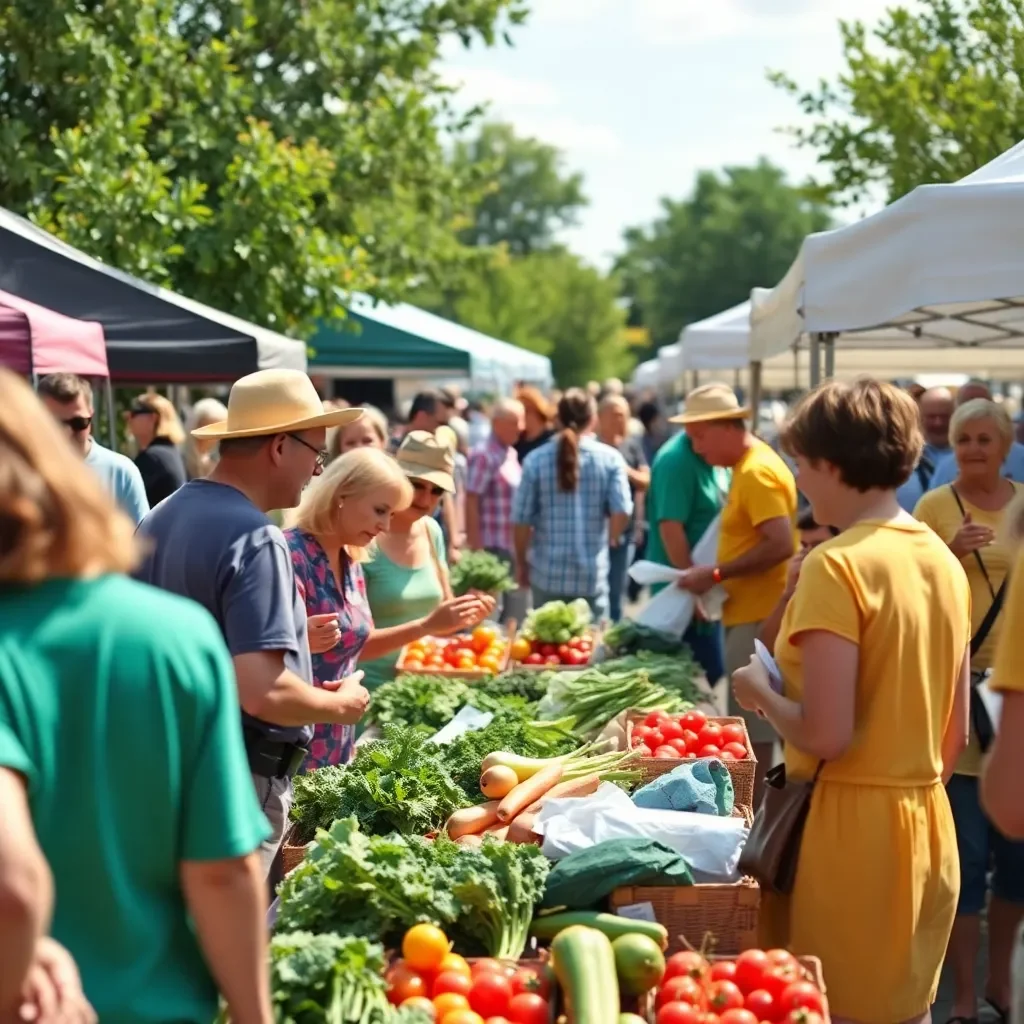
<point>737,230</point>
<point>528,199</point>
<point>928,94</point>
<point>257,155</point>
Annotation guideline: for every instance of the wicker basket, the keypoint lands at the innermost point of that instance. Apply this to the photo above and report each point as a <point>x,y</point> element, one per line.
<point>742,772</point>
<point>293,850</point>
<point>595,636</point>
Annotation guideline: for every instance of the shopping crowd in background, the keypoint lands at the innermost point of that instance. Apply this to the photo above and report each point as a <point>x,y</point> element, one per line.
<point>227,627</point>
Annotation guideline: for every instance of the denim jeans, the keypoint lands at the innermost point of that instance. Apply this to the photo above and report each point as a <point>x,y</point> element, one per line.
<point>707,642</point>
<point>619,561</point>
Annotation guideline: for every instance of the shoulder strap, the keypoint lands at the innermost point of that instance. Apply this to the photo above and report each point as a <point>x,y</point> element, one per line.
<point>925,471</point>
<point>976,552</point>
<point>434,557</point>
<point>989,621</point>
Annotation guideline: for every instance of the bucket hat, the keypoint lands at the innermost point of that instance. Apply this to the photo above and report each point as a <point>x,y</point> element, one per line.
<point>711,402</point>
<point>422,457</point>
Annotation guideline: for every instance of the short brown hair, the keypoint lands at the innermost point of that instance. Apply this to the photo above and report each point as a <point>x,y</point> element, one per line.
<point>65,387</point>
<point>56,520</point>
<point>869,430</point>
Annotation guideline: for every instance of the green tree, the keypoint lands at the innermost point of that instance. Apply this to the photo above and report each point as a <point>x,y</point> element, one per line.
<point>928,94</point>
<point>258,155</point>
<point>528,199</point>
<point>737,230</point>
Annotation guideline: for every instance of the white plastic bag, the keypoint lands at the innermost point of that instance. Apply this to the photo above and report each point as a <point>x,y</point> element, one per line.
<point>469,719</point>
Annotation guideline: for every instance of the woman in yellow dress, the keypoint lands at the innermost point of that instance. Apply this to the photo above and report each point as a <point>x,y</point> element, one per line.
<point>873,649</point>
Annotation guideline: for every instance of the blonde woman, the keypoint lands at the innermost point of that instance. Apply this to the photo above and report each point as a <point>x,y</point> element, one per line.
<point>154,423</point>
<point>369,431</point>
<point>201,453</point>
<point>119,713</point>
<point>969,515</point>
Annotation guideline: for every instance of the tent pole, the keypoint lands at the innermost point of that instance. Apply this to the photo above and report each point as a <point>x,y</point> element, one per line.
<point>830,356</point>
<point>111,425</point>
<point>755,394</point>
<point>815,357</point>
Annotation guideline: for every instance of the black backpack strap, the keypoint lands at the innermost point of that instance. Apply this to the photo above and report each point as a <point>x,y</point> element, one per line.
<point>925,470</point>
<point>989,621</point>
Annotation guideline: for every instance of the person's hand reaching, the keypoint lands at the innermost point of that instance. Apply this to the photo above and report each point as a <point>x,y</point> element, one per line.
<point>458,614</point>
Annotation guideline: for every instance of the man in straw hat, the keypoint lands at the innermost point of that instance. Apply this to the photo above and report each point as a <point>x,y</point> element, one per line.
<point>756,540</point>
<point>212,541</point>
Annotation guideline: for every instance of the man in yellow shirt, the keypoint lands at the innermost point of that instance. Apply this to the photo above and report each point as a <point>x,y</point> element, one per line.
<point>756,541</point>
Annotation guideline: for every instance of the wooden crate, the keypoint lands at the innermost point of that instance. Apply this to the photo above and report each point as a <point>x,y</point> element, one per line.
<point>742,772</point>
<point>595,636</point>
<point>293,850</point>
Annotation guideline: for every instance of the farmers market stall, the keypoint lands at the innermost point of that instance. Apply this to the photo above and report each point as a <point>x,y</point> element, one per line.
<point>541,839</point>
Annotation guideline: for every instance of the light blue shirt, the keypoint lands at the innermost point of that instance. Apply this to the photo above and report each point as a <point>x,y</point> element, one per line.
<point>910,493</point>
<point>1013,467</point>
<point>122,479</point>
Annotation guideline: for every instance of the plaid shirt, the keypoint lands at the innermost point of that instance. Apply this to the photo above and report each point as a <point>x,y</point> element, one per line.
<point>493,474</point>
<point>569,554</point>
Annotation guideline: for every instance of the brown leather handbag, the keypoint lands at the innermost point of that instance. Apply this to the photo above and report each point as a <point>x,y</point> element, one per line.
<point>772,849</point>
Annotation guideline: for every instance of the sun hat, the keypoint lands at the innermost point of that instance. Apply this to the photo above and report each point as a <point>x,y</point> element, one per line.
<point>422,457</point>
<point>711,402</point>
<point>275,402</point>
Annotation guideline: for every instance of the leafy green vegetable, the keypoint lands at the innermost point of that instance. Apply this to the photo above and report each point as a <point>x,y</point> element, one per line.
<point>530,685</point>
<point>677,673</point>
<point>430,702</point>
<point>557,622</point>
<point>329,979</point>
<point>480,570</point>
<point>627,637</point>
<point>354,884</point>
<point>396,784</point>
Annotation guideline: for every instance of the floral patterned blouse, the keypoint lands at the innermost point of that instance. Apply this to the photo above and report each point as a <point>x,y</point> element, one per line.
<point>332,744</point>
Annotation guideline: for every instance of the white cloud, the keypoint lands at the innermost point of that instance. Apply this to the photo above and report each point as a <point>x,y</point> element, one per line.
<point>485,85</point>
<point>577,139</point>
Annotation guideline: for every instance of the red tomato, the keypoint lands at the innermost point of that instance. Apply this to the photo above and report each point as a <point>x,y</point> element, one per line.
<point>710,734</point>
<point>644,751</point>
<point>497,1020</point>
<point>691,739</point>
<point>577,657</point>
<point>724,995</point>
<point>528,1008</point>
<point>679,745</point>
<point>486,966</point>
<point>782,958</point>
<point>454,962</point>
<point>801,995</point>
<point>671,730</point>
<point>679,1013</point>
<point>534,659</point>
<point>655,718</point>
<point>751,967</point>
<point>804,1017</point>
<point>640,733</point>
<point>723,970</point>
<point>563,651</point>
<point>552,659</point>
<point>654,739</point>
<point>693,720</point>
<point>682,989</point>
<point>462,1016</point>
<point>763,1005</point>
<point>735,750</point>
<point>451,981</point>
<point>548,649</point>
<point>531,981</point>
<point>686,965</point>
<point>666,751</point>
<point>709,750</point>
<point>576,642</point>
<point>732,733</point>
<point>737,1016</point>
<point>404,983</point>
<point>778,978</point>
<point>490,994</point>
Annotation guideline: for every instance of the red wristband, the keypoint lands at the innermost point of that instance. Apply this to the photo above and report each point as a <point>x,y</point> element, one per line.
<point>716,574</point>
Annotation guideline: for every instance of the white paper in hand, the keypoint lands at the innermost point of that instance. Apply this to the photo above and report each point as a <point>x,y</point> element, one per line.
<point>766,659</point>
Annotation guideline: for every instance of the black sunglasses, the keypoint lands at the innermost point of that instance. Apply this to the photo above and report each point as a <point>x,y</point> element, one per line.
<point>78,424</point>
<point>321,453</point>
<point>141,410</point>
<point>422,485</point>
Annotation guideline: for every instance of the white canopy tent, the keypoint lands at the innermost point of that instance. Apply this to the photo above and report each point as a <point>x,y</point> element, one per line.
<point>942,267</point>
<point>646,375</point>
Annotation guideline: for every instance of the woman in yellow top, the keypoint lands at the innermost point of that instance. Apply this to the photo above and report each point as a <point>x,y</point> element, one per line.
<point>969,515</point>
<point>873,649</point>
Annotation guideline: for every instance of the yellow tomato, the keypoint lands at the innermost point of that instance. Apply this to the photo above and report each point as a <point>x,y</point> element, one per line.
<point>521,649</point>
<point>488,664</point>
<point>448,1002</point>
<point>456,964</point>
<point>412,665</point>
<point>425,946</point>
<point>466,662</point>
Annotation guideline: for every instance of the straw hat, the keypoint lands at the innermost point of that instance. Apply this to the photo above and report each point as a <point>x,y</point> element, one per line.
<point>711,402</point>
<point>274,402</point>
<point>422,457</point>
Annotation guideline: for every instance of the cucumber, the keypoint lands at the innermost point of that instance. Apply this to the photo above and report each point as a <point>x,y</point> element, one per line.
<point>549,925</point>
<point>585,968</point>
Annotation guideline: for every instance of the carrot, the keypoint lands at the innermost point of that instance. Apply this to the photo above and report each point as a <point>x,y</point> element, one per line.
<point>528,792</point>
<point>584,786</point>
<point>471,821</point>
<point>497,831</point>
<point>521,830</point>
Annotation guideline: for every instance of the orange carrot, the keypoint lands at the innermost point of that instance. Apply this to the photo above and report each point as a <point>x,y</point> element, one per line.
<point>528,792</point>
<point>584,786</point>
<point>521,830</point>
<point>472,820</point>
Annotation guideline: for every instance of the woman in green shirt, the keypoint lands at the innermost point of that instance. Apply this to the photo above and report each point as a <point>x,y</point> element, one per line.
<point>407,576</point>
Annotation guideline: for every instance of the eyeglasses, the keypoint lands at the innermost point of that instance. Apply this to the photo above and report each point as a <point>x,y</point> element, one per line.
<point>422,485</point>
<point>78,424</point>
<point>321,453</point>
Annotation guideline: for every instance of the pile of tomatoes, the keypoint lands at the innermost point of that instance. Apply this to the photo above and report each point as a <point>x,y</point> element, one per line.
<point>576,651</point>
<point>452,991</point>
<point>757,987</point>
<point>689,736</point>
<point>483,649</point>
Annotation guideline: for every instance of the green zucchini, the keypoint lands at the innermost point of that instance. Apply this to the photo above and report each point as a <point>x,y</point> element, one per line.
<point>585,968</point>
<point>549,925</point>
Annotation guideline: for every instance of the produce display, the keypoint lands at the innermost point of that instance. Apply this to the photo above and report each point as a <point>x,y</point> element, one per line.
<point>689,736</point>
<point>483,650</point>
<point>758,986</point>
<point>555,634</point>
<point>576,651</point>
<point>482,571</point>
<point>628,637</point>
<point>454,990</point>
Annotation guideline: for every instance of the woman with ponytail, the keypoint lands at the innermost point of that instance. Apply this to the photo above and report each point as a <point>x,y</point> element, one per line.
<point>573,503</point>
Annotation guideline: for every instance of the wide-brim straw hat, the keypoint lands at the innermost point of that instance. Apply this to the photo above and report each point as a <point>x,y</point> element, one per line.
<point>274,402</point>
<point>711,402</point>
<point>422,457</point>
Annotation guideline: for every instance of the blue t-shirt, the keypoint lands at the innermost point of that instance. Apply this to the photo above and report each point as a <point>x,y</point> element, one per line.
<point>212,544</point>
<point>922,478</point>
<point>1013,467</point>
<point>122,479</point>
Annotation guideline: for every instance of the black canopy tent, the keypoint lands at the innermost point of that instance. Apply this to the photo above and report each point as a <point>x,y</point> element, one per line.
<point>152,334</point>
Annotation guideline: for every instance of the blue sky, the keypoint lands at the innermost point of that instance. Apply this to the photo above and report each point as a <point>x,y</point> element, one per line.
<point>641,94</point>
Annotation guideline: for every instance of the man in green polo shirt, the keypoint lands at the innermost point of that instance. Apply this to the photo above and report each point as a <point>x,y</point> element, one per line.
<point>684,497</point>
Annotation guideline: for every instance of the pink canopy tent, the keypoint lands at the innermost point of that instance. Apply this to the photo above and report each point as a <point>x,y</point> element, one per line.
<point>36,341</point>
